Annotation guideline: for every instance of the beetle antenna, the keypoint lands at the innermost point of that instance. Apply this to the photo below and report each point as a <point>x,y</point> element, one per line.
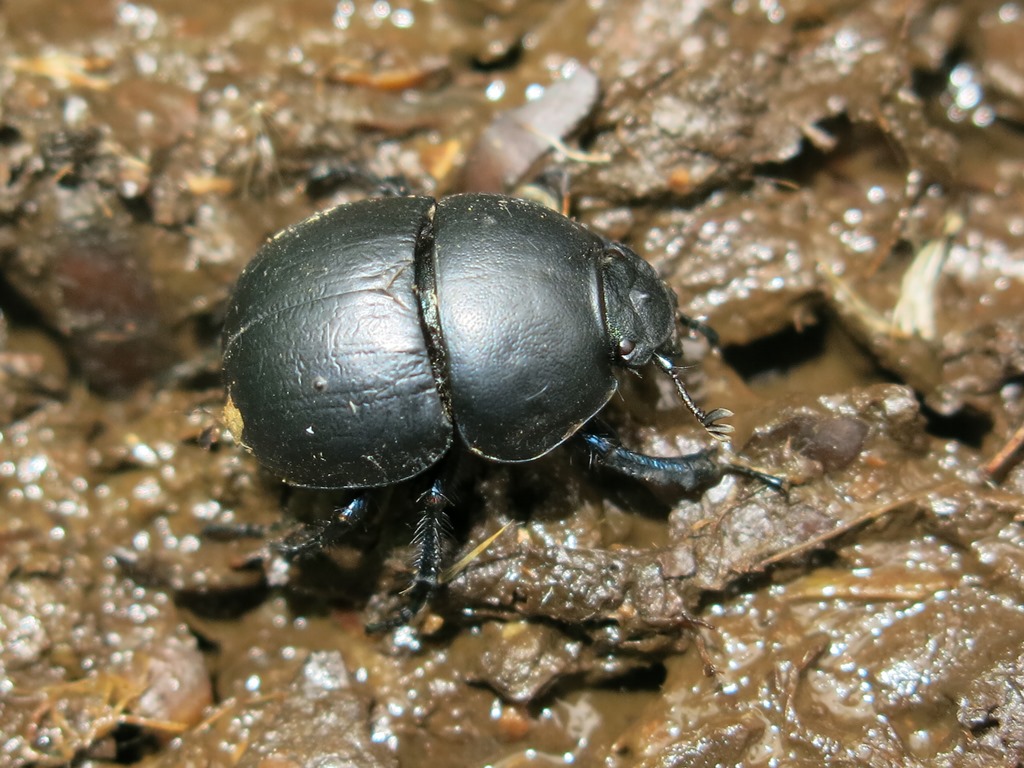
<point>710,421</point>
<point>699,326</point>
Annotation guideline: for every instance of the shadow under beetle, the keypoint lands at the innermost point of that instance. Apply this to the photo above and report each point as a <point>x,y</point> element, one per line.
<point>364,344</point>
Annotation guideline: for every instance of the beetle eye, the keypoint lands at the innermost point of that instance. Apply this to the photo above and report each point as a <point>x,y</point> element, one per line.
<point>625,348</point>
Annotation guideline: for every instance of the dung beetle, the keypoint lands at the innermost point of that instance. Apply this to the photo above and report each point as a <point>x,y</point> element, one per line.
<point>360,342</point>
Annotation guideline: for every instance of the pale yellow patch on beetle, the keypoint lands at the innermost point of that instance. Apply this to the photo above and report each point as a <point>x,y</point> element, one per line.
<point>232,419</point>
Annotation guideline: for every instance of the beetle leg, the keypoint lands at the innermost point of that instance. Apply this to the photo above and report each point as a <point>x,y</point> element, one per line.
<point>429,540</point>
<point>314,537</point>
<point>327,175</point>
<point>689,472</point>
<point>236,530</point>
<point>290,538</point>
<point>550,189</point>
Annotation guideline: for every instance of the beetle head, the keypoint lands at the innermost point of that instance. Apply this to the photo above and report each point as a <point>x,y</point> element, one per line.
<point>639,309</point>
<point>640,316</point>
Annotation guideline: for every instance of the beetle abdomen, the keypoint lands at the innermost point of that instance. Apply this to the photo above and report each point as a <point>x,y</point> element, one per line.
<point>325,357</point>
<point>527,356</point>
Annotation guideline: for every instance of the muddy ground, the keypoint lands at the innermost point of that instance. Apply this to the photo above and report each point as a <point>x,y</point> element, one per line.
<point>837,188</point>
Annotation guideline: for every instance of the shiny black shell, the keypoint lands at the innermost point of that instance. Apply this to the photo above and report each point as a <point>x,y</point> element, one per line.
<point>359,341</point>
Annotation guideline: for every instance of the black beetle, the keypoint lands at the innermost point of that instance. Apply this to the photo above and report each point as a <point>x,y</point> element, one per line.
<point>360,341</point>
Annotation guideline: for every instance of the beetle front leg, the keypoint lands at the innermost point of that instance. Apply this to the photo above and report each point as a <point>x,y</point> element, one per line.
<point>429,542</point>
<point>689,472</point>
